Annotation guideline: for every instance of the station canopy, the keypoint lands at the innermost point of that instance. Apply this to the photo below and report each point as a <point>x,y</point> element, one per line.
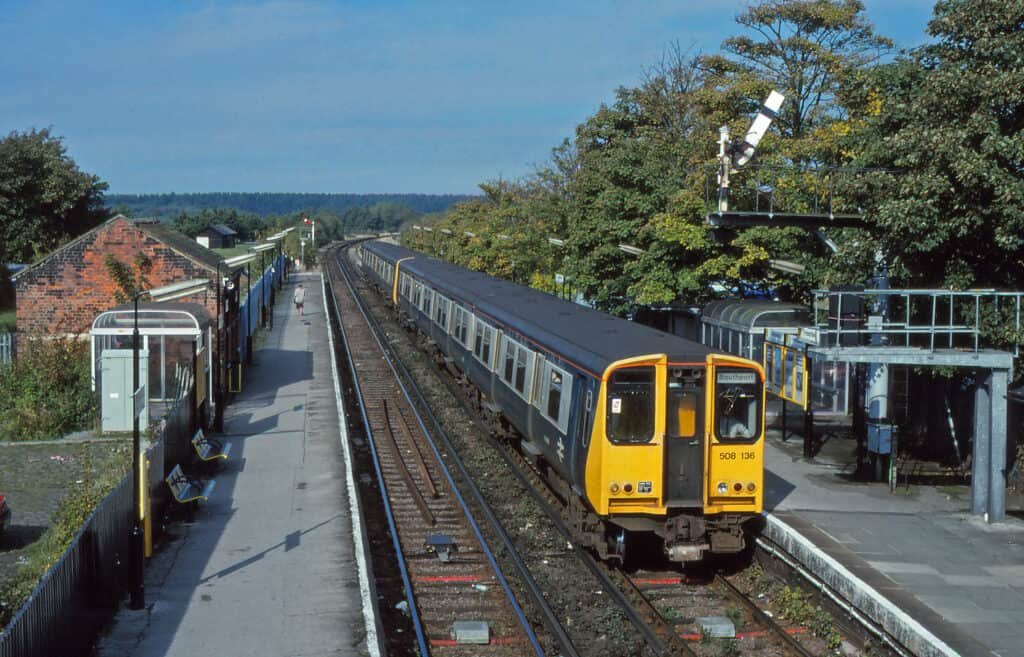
<point>154,319</point>
<point>752,315</point>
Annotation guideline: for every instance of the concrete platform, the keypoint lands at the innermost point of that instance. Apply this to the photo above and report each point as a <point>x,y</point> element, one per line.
<point>914,561</point>
<point>272,564</point>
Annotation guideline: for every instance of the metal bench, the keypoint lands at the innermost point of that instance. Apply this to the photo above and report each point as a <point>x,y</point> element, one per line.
<point>210,449</point>
<point>187,490</point>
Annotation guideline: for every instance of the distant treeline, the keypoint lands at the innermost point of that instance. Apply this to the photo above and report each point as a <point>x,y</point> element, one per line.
<point>264,204</point>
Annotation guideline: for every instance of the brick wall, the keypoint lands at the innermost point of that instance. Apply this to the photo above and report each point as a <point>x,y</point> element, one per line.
<point>66,292</point>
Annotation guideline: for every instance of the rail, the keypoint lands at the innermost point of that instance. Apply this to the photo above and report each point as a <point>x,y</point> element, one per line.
<point>408,390</point>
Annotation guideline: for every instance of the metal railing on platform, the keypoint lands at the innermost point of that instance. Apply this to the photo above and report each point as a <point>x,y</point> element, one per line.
<point>929,319</point>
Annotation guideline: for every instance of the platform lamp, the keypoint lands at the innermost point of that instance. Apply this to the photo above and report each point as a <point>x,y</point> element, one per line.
<point>165,293</point>
<point>284,268</point>
<point>233,264</point>
<point>262,249</point>
<point>278,241</point>
<point>256,250</point>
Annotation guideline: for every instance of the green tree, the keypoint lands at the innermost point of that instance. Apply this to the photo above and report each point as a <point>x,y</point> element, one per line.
<point>806,49</point>
<point>950,120</point>
<point>44,198</point>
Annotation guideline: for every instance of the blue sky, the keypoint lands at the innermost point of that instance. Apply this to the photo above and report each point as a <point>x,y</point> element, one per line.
<point>359,97</point>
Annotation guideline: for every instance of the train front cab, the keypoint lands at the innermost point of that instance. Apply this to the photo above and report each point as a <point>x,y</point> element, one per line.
<point>677,449</point>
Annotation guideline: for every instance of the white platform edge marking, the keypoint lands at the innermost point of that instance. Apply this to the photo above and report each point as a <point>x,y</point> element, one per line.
<point>922,631</point>
<point>372,644</point>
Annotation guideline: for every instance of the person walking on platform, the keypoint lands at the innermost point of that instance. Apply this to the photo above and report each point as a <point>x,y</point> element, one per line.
<point>299,297</point>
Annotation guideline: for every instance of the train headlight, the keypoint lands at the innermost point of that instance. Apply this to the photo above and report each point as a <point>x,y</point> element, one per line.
<point>723,488</point>
<point>751,486</point>
<point>614,488</point>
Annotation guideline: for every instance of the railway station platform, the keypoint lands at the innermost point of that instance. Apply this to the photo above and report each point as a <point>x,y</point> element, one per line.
<point>268,566</point>
<point>916,561</point>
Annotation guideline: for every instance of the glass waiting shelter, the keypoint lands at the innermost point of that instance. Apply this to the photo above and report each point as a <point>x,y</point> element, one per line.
<point>174,348</point>
<point>738,326</point>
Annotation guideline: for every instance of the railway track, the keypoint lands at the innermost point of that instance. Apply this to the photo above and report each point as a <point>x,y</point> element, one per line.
<point>458,600</point>
<point>666,608</point>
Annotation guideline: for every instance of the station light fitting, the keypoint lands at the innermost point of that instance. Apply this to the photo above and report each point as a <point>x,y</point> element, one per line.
<point>787,266</point>
<point>177,290</point>
<point>239,260</point>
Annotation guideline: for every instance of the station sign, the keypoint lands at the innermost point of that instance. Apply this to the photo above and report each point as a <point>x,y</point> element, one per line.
<point>785,367</point>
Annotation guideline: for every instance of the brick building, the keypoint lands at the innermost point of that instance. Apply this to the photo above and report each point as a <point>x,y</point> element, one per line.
<point>66,290</point>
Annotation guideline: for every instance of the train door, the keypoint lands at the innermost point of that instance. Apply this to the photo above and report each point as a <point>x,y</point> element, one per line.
<point>684,437</point>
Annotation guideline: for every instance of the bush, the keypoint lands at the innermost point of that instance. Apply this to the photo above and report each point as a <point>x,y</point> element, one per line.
<point>46,392</point>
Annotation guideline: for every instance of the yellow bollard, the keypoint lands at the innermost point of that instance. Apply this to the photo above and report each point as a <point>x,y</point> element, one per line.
<point>147,525</point>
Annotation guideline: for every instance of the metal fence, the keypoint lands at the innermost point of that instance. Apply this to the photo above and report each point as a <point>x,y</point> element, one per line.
<point>80,592</point>
<point>6,348</point>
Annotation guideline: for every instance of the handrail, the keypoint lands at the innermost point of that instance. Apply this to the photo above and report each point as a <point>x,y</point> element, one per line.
<point>941,313</point>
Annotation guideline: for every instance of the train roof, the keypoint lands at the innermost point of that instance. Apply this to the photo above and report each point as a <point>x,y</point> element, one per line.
<point>590,338</point>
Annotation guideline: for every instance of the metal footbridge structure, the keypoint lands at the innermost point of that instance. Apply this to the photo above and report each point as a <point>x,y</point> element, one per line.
<point>934,328</point>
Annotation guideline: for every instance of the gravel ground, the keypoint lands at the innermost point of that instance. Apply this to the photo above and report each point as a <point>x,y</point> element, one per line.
<point>35,477</point>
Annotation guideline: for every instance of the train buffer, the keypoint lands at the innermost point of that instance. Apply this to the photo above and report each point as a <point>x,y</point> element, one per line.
<point>188,490</point>
<point>210,450</point>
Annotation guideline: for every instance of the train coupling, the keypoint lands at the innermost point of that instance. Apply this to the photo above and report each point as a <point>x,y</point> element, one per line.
<point>682,552</point>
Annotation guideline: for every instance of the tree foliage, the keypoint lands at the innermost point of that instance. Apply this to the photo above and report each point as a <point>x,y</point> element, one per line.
<point>44,198</point>
<point>950,122</point>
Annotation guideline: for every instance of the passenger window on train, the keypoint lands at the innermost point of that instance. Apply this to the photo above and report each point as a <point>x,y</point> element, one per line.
<point>630,412</point>
<point>482,342</point>
<point>510,361</point>
<point>521,366</point>
<point>460,324</point>
<point>428,296</point>
<point>441,314</point>
<point>737,404</point>
<point>554,394</point>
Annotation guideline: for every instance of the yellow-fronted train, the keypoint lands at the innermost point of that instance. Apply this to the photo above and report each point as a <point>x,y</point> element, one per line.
<point>638,431</point>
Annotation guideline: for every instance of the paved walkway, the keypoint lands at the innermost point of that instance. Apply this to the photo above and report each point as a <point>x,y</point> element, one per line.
<point>960,579</point>
<point>268,567</point>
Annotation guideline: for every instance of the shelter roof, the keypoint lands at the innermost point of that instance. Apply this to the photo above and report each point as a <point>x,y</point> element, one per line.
<point>154,319</point>
<point>748,314</point>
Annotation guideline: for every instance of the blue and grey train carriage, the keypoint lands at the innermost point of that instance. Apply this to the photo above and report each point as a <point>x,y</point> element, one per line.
<point>637,430</point>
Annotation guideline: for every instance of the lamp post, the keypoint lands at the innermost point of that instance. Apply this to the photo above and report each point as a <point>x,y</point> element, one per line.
<point>165,293</point>
<point>232,264</point>
<point>262,249</point>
